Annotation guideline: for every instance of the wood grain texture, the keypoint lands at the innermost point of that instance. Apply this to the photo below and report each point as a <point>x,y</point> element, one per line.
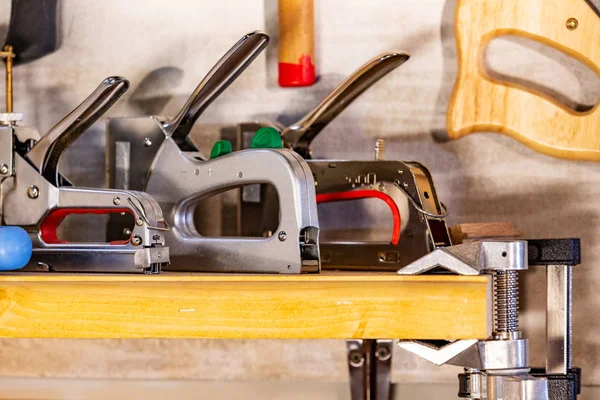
<point>296,30</point>
<point>213,306</point>
<point>485,230</point>
<point>480,103</point>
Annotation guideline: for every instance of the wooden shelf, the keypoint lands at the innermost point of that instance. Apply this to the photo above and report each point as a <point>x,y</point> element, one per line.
<point>328,305</point>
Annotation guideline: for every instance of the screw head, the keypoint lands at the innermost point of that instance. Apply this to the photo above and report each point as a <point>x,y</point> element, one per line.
<point>116,201</point>
<point>136,240</point>
<point>139,221</point>
<point>3,169</point>
<point>572,24</point>
<point>356,359</point>
<point>282,236</point>
<point>147,142</point>
<point>33,192</point>
<point>383,354</point>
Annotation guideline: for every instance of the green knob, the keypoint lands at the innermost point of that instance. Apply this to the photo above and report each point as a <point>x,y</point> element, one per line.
<point>267,138</point>
<point>220,148</point>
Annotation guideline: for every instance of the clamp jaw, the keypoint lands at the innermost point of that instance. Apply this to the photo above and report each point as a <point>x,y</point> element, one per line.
<point>498,367</point>
<point>161,161</point>
<point>35,196</point>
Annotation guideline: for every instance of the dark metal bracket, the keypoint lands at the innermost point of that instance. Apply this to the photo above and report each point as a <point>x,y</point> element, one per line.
<point>370,367</point>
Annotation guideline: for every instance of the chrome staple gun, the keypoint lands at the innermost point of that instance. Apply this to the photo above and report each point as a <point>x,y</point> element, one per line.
<point>35,196</point>
<point>153,154</point>
<point>406,187</point>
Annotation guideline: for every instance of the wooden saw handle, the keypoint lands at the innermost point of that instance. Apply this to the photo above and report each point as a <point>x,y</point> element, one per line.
<point>296,43</point>
<point>480,103</point>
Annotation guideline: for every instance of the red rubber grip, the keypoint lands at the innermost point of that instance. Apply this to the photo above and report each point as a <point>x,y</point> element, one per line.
<point>294,75</point>
<point>50,224</point>
<point>366,194</point>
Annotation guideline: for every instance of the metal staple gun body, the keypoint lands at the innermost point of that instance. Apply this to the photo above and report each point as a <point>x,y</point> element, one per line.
<point>153,155</point>
<point>35,196</point>
<point>406,187</point>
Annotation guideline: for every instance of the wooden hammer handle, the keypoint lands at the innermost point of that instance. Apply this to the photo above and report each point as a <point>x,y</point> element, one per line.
<point>296,43</point>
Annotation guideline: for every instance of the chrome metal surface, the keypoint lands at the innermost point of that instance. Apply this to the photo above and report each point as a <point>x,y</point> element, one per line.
<point>127,168</point>
<point>506,301</point>
<point>438,355</point>
<point>46,153</point>
<point>6,150</point>
<point>417,238</point>
<point>10,118</point>
<point>379,150</point>
<point>29,200</point>
<point>473,258</point>
<point>225,71</point>
<point>501,356</point>
<point>484,386</point>
<point>299,135</point>
<point>558,319</point>
<point>178,180</point>
<point>414,203</point>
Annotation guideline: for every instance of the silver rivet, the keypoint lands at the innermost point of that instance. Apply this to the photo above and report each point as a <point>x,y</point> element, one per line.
<point>139,222</point>
<point>126,231</point>
<point>33,192</point>
<point>116,201</point>
<point>240,175</point>
<point>159,255</point>
<point>136,240</point>
<point>147,142</point>
<point>379,150</point>
<point>196,171</point>
<point>282,236</point>
<point>381,187</point>
<point>3,169</point>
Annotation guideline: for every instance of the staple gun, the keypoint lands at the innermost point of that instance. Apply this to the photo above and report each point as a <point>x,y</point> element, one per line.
<point>406,187</point>
<point>154,155</point>
<point>36,197</point>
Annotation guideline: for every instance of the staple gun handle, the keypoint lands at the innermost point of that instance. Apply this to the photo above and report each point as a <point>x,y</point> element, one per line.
<point>480,103</point>
<point>46,153</point>
<point>299,135</point>
<point>229,67</point>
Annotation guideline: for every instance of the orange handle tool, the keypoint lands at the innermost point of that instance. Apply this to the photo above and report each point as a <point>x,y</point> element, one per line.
<point>481,103</point>
<point>296,43</point>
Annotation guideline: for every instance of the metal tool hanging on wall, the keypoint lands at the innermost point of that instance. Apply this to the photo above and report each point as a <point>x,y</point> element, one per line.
<point>35,196</point>
<point>154,155</point>
<point>406,187</point>
<point>32,34</point>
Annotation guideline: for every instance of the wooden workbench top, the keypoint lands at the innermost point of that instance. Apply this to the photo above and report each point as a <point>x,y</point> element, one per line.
<point>171,305</point>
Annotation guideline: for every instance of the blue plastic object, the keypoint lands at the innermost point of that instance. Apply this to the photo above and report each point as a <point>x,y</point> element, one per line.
<point>15,248</point>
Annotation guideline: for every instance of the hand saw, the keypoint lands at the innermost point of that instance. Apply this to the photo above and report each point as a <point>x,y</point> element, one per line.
<point>406,187</point>
<point>34,196</point>
<point>480,103</point>
<point>164,164</point>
